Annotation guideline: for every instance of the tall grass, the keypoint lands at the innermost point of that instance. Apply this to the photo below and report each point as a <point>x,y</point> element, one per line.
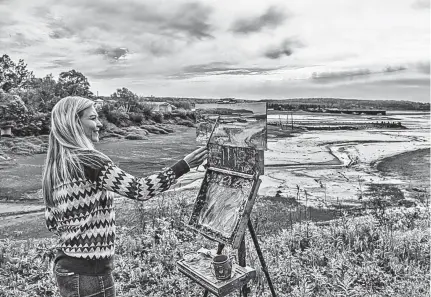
<point>349,256</point>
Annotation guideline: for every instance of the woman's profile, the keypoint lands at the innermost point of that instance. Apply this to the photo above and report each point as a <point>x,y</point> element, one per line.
<point>77,181</point>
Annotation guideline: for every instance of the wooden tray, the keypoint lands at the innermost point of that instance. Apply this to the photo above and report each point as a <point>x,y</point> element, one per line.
<point>200,270</point>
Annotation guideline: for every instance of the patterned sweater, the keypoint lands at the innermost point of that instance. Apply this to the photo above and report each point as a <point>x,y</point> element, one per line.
<point>83,213</point>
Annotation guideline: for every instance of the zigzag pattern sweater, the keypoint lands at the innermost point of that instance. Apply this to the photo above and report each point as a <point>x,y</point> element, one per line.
<point>83,214</point>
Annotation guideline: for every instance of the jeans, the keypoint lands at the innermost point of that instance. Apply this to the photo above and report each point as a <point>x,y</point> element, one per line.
<point>71,284</point>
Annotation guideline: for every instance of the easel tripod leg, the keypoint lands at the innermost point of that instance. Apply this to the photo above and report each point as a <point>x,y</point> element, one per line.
<point>242,262</point>
<point>260,255</point>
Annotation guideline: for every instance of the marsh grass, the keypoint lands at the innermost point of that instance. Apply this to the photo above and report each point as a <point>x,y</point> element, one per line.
<point>348,256</point>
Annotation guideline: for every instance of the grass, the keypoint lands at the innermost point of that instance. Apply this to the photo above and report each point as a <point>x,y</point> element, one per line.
<point>349,256</point>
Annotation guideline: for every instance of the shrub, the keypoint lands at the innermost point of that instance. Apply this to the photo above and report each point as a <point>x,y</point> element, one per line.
<point>146,109</point>
<point>136,117</point>
<point>118,118</point>
<point>33,124</point>
<point>157,117</point>
<point>182,104</point>
<point>184,114</point>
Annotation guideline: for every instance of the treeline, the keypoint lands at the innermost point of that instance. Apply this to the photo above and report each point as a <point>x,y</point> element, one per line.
<point>26,101</point>
<point>325,103</point>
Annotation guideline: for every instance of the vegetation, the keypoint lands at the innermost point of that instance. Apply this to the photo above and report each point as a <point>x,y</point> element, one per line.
<point>349,256</point>
<point>325,103</point>
<point>26,101</point>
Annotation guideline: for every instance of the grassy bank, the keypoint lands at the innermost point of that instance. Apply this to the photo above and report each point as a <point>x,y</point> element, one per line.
<point>374,254</point>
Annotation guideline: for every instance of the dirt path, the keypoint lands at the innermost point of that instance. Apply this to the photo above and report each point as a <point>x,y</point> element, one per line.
<point>24,226</point>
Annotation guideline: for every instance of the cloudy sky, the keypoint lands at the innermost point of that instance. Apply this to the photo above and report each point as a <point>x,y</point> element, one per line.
<point>250,49</point>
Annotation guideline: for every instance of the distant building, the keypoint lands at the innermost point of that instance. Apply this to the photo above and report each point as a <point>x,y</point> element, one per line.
<point>226,101</point>
<point>161,106</point>
<point>98,103</point>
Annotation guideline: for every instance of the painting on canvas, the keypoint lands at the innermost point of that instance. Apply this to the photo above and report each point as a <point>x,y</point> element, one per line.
<point>223,205</point>
<point>238,124</point>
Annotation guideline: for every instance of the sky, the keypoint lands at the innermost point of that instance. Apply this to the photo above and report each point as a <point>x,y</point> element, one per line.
<point>249,49</point>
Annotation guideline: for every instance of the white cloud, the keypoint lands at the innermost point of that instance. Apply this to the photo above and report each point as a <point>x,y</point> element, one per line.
<point>148,45</point>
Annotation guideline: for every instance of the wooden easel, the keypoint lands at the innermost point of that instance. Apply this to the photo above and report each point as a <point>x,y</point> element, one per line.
<point>240,283</point>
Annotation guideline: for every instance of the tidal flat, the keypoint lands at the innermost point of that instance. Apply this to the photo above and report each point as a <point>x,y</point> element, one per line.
<point>327,167</point>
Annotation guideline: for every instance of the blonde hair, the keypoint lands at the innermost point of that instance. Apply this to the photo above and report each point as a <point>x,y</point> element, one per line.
<point>69,148</point>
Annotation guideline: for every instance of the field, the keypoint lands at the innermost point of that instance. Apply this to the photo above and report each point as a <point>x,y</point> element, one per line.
<point>339,213</point>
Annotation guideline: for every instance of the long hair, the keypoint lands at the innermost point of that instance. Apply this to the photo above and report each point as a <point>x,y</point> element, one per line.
<point>69,150</point>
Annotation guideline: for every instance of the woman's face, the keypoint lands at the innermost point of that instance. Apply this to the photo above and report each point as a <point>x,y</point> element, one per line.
<point>91,124</point>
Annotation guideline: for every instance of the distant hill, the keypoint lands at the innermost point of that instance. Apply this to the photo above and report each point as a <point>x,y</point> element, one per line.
<point>304,103</point>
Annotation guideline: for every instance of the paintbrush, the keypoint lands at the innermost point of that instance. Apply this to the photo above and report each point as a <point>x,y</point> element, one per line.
<point>208,142</point>
<point>212,132</point>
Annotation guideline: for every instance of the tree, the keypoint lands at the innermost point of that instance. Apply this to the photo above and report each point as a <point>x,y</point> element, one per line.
<point>73,83</point>
<point>41,94</point>
<point>13,76</point>
<point>126,98</point>
<point>12,108</point>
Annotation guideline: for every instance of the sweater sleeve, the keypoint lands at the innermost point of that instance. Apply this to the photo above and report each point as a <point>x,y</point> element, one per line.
<point>114,179</point>
<point>51,222</point>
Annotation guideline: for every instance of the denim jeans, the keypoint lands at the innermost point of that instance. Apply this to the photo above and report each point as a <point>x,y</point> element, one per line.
<point>72,284</point>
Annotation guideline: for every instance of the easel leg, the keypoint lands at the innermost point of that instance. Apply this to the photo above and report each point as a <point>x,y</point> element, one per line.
<point>260,255</point>
<point>242,262</point>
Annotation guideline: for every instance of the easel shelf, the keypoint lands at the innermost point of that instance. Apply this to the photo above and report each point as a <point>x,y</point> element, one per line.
<point>204,277</point>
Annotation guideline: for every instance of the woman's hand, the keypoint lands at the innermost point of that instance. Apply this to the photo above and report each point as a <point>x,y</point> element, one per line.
<point>195,158</point>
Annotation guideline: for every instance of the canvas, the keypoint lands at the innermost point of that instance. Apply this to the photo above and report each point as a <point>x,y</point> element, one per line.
<point>239,124</point>
<point>223,205</point>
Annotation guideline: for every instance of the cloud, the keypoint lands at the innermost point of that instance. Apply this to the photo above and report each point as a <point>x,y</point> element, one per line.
<point>113,54</point>
<point>60,30</point>
<point>412,82</point>
<point>133,18</point>
<point>421,4</point>
<point>286,48</point>
<point>192,19</point>
<point>161,47</point>
<point>272,18</point>
<point>59,63</point>
<point>389,69</point>
<point>334,76</point>
<point>423,67</point>
<point>220,68</point>
<point>338,75</point>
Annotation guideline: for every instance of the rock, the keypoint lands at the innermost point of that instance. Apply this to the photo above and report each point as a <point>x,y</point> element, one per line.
<point>406,203</point>
<point>133,136</point>
<point>120,131</point>
<point>185,123</point>
<point>155,129</point>
<point>167,129</point>
<point>110,135</point>
<point>418,190</point>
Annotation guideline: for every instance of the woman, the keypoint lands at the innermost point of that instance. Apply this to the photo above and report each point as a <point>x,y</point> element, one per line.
<point>76,183</point>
